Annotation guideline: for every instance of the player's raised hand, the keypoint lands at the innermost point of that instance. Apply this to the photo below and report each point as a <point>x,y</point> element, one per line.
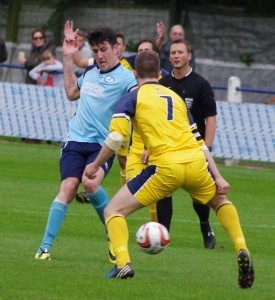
<point>69,32</point>
<point>70,41</point>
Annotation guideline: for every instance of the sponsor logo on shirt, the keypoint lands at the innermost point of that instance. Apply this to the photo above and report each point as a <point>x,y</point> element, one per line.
<point>189,102</point>
<point>92,89</point>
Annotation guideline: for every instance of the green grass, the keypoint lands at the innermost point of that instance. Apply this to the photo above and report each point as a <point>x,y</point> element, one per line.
<point>29,181</point>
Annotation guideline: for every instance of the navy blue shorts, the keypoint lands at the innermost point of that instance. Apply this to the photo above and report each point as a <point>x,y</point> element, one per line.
<point>76,155</point>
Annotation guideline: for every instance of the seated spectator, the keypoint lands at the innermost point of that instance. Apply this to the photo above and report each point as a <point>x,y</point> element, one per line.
<point>49,72</point>
<point>39,45</point>
<point>84,50</point>
<point>3,50</point>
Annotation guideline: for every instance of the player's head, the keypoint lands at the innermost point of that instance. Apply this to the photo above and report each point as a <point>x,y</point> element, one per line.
<point>147,65</point>
<point>145,45</point>
<point>176,32</point>
<point>121,46</point>
<point>103,42</point>
<point>180,53</point>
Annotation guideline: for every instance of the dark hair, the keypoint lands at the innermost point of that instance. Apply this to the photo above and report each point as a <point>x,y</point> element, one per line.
<point>38,30</point>
<point>147,64</point>
<point>50,51</point>
<point>152,42</point>
<point>185,42</point>
<point>101,35</point>
<point>120,35</point>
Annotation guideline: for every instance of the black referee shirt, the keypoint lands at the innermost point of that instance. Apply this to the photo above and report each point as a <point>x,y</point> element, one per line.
<point>197,94</point>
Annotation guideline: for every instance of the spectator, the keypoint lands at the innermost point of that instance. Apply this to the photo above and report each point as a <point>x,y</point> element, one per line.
<point>49,72</point>
<point>84,50</point>
<point>3,50</point>
<point>39,45</point>
<point>176,33</point>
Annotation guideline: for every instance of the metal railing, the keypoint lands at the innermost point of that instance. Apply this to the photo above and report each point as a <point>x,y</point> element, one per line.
<point>224,88</point>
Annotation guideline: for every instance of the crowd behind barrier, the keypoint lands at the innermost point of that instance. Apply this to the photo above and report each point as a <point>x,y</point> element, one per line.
<point>244,130</point>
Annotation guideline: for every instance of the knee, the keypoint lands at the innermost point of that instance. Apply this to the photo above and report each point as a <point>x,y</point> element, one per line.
<point>107,212</point>
<point>90,186</point>
<point>68,189</point>
<point>217,201</point>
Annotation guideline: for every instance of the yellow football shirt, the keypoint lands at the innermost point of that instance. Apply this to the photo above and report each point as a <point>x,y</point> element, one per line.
<point>160,117</point>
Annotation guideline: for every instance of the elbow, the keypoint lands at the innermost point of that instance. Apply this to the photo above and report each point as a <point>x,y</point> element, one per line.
<point>71,93</point>
<point>71,97</point>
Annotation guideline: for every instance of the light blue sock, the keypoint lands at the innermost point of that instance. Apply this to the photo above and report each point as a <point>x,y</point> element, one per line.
<point>58,211</point>
<point>99,200</point>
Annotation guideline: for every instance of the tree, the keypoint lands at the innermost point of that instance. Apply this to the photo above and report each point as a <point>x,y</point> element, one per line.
<point>56,21</point>
<point>14,7</point>
<point>175,12</point>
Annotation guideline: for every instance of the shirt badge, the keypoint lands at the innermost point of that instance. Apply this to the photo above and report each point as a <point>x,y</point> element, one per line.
<point>109,79</point>
<point>189,102</point>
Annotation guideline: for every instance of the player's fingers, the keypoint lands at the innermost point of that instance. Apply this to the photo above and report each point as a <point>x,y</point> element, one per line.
<point>223,190</point>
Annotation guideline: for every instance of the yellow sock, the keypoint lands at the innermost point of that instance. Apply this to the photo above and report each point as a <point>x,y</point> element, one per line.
<point>228,217</point>
<point>122,175</point>
<point>118,235</point>
<point>153,212</point>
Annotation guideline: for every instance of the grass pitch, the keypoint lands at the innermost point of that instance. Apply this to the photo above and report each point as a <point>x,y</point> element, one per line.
<point>29,181</point>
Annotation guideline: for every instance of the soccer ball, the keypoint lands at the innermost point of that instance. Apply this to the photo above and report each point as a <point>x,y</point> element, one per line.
<point>152,237</point>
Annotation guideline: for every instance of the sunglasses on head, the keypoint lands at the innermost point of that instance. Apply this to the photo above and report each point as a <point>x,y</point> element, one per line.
<point>38,38</point>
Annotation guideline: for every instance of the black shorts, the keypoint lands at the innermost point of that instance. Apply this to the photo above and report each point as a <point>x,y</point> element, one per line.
<point>76,155</point>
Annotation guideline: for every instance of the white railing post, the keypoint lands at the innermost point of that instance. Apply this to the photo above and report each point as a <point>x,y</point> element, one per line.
<point>233,95</point>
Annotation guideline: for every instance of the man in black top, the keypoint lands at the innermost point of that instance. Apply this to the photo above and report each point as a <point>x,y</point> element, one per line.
<point>199,99</point>
<point>3,50</point>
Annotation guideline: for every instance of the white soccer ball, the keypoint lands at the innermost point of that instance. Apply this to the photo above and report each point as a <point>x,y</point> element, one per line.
<point>152,237</point>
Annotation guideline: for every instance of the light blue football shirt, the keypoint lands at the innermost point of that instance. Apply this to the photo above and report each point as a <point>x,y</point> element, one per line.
<point>99,95</point>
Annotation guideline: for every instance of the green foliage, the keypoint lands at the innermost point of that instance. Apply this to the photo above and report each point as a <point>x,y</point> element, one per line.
<point>12,20</point>
<point>261,8</point>
<point>246,58</point>
<point>56,21</point>
<point>131,46</point>
<point>29,181</point>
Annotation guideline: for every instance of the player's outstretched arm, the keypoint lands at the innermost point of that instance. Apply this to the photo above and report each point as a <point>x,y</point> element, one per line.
<point>222,185</point>
<point>69,48</point>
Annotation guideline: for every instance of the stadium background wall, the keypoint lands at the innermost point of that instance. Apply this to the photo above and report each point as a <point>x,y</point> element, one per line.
<point>244,130</point>
<point>219,41</point>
